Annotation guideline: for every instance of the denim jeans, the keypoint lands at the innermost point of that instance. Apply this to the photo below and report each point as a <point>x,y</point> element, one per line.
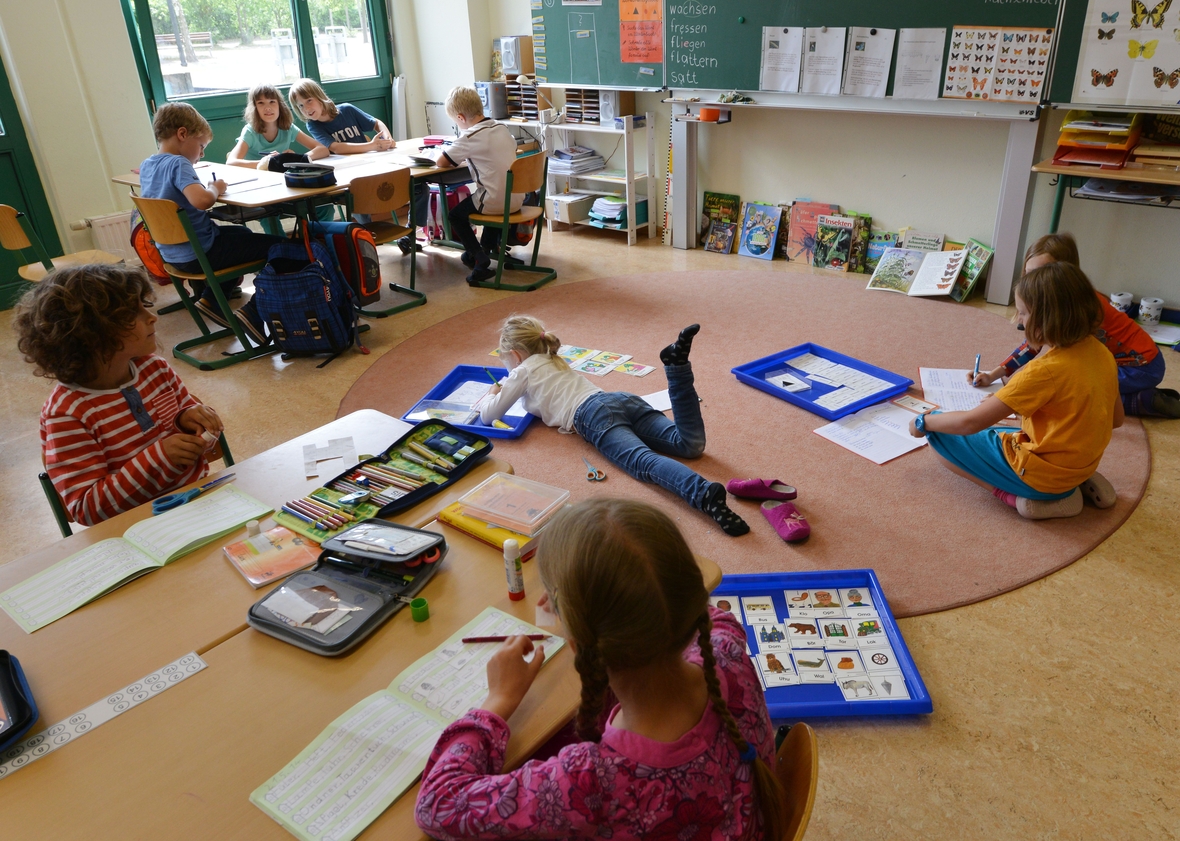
<point>235,244</point>
<point>639,439</point>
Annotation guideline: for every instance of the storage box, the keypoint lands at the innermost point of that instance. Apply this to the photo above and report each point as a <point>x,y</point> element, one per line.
<point>460,375</point>
<point>568,208</point>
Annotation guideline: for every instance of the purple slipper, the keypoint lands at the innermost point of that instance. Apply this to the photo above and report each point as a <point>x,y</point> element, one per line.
<point>761,489</point>
<point>788,523</point>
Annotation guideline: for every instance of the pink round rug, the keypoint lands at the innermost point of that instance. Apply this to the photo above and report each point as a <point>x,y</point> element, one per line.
<point>936,541</point>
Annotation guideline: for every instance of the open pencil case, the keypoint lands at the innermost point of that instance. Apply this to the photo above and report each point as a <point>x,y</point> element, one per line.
<point>18,710</point>
<point>362,577</point>
<point>420,478</point>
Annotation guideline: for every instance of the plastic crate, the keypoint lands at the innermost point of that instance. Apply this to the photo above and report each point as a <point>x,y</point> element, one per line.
<point>473,373</point>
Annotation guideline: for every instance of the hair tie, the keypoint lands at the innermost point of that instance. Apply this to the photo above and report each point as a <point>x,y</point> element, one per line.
<point>749,754</point>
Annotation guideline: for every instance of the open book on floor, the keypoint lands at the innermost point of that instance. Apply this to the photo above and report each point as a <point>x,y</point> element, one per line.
<point>913,272</point>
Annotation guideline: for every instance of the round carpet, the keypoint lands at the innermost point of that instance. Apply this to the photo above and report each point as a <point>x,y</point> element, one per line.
<point>935,540</point>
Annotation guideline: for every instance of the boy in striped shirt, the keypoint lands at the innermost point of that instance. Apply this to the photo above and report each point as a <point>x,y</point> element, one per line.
<point>120,428</point>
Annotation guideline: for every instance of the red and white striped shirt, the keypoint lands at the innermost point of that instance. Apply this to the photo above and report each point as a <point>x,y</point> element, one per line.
<point>98,453</point>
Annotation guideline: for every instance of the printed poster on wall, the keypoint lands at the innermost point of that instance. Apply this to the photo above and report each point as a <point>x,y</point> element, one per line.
<point>1130,54</point>
<point>641,31</point>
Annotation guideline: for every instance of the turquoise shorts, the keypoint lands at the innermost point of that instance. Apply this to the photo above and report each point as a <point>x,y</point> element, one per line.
<point>982,455</point>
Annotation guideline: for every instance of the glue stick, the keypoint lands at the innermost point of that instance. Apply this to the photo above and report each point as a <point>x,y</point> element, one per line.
<point>513,571</point>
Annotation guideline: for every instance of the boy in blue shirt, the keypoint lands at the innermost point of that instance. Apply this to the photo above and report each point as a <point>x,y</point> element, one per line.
<point>182,135</point>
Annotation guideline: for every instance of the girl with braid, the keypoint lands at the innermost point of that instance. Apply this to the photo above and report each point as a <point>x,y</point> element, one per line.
<point>676,738</point>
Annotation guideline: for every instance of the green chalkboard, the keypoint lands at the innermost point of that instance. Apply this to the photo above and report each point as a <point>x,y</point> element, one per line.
<point>618,43</point>
<point>718,45</point>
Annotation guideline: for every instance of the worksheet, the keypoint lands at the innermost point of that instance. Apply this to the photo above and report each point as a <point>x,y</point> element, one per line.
<point>370,755</point>
<point>823,60</point>
<point>879,433</point>
<point>782,49</point>
<point>919,63</point>
<point>951,391</point>
<point>870,53</point>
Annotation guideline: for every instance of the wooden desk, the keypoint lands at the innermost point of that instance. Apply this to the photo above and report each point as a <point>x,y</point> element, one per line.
<point>193,603</point>
<point>189,758</point>
<point>1075,174</point>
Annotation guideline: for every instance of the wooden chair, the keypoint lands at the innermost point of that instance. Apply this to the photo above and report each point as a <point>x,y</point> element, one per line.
<point>168,224</point>
<point>526,175</point>
<point>384,195</point>
<point>797,768</point>
<point>17,234</point>
<point>62,516</point>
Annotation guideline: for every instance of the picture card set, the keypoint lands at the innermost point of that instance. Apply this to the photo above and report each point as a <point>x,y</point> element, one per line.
<point>601,362</point>
<point>1130,55</point>
<point>1008,64</point>
<point>830,635</point>
<point>848,384</point>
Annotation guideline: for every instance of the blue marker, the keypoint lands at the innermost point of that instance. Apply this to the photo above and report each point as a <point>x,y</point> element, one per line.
<point>976,374</point>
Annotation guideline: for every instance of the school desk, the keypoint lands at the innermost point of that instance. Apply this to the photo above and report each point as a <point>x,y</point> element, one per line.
<point>1074,175</point>
<point>183,764</point>
<point>192,603</point>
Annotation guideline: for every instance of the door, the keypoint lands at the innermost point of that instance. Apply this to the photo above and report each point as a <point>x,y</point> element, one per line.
<point>20,187</point>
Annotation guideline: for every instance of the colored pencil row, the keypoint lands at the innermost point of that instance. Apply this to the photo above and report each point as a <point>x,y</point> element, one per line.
<point>320,513</point>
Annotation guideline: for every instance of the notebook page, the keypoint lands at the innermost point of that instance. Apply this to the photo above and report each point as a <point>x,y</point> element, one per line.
<point>209,516</point>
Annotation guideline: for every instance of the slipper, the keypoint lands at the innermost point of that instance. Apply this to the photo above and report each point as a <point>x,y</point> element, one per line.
<point>1098,491</point>
<point>788,523</point>
<point>761,489</point>
<point>1048,509</point>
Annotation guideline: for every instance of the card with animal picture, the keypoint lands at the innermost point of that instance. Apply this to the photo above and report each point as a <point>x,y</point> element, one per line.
<point>812,666</point>
<point>845,662</point>
<point>759,609</point>
<point>880,659</point>
<point>728,604</point>
<point>759,230</point>
<point>798,603</point>
<point>771,637</point>
<point>777,670</point>
<point>635,369</point>
<point>573,354</point>
<point>721,236</point>
<point>890,686</point>
<point>857,688</point>
<point>869,632</point>
<point>803,633</point>
<point>857,601</point>
<point>837,633</point>
<point>601,363</point>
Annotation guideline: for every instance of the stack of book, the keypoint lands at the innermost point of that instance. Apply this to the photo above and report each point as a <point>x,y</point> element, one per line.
<point>611,212</point>
<point>575,160</point>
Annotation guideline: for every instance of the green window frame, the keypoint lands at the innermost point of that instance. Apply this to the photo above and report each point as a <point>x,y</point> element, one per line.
<point>372,94</point>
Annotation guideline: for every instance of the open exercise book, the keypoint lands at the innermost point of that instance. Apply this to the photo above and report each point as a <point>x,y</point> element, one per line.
<point>109,564</point>
<point>374,752</point>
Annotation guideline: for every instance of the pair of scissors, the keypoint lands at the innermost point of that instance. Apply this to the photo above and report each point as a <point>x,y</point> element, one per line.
<point>593,474</point>
<point>170,501</point>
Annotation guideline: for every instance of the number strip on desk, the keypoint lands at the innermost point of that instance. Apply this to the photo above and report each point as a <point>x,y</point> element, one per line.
<point>100,712</point>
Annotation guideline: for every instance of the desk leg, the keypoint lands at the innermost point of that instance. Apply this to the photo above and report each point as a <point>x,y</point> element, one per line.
<point>1012,213</point>
<point>685,221</point>
<point>1058,201</point>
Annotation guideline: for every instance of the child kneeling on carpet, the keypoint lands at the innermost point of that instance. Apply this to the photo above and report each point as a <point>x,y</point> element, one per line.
<point>119,429</point>
<point>676,737</point>
<point>624,427</point>
<point>1068,398</point>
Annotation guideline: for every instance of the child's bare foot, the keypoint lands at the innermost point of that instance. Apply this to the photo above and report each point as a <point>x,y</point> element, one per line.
<point>677,352</point>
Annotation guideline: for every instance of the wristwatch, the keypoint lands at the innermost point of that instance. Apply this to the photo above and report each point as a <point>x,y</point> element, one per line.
<point>920,424</point>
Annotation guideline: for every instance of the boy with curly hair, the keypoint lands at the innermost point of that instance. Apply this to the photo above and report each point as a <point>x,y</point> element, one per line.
<point>120,428</point>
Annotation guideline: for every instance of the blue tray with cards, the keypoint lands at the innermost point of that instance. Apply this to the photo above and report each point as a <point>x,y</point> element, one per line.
<point>822,381</point>
<point>824,644</point>
<point>464,385</point>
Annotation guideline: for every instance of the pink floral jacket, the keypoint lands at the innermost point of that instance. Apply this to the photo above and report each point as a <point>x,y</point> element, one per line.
<point>626,786</point>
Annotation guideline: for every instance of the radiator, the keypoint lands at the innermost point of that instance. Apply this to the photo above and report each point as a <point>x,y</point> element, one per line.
<point>112,233</point>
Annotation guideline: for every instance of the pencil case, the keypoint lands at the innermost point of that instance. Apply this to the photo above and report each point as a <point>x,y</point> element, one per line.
<point>18,710</point>
<point>361,578</point>
<point>309,175</point>
<point>459,447</point>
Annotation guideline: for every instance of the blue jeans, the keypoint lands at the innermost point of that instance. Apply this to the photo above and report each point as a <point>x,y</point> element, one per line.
<point>639,439</point>
<point>1137,385</point>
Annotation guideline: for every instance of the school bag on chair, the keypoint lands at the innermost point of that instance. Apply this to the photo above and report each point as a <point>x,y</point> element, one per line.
<point>146,249</point>
<point>305,302</point>
<point>522,232</point>
<point>355,252</point>
<point>434,220</point>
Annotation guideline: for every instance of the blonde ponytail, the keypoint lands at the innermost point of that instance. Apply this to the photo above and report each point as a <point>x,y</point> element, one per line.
<point>527,336</point>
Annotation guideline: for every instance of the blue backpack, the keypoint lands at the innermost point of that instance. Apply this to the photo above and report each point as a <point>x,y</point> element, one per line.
<point>305,301</point>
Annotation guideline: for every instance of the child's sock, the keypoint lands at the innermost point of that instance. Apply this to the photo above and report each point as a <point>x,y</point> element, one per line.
<point>1005,497</point>
<point>714,505</point>
<point>677,352</point>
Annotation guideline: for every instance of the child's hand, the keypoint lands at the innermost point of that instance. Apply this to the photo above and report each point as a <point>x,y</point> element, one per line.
<point>983,378</point>
<point>264,164</point>
<point>183,450</point>
<point>317,153</point>
<point>509,676</point>
<point>199,419</point>
<point>218,187</point>
<point>494,389</point>
<point>381,144</point>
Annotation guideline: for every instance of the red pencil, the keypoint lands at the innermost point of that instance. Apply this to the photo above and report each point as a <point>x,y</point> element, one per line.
<point>502,639</point>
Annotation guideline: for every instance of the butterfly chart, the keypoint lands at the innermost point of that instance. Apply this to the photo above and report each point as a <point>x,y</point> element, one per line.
<point>1007,64</point>
<point>1130,54</point>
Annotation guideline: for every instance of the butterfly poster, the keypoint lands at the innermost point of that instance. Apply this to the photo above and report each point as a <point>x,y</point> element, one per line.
<point>1002,64</point>
<point>1130,54</point>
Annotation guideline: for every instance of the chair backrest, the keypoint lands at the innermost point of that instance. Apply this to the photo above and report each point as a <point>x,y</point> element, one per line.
<point>797,768</point>
<point>161,219</point>
<point>528,173</point>
<point>12,236</point>
<point>382,193</point>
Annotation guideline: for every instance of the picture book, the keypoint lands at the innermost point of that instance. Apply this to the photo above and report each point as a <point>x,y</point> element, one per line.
<point>759,230</point>
<point>719,207</point>
<point>878,243</point>
<point>486,532</point>
<point>375,751</point>
<point>272,555</point>
<point>109,564</point>
<point>784,233</point>
<point>857,259</point>
<point>918,241</point>
<point>833,242</point>
<point>803,221</point>
<point>916,273</point>
<point>721,237</point>
<point>974,267</point>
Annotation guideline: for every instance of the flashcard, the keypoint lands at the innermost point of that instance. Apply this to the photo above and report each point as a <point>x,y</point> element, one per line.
<point>837,633</point>
<point>635,369</point>
<point>798,603</point>
<point>777,671</point>
<point>857,688</point>
<point>803,634</point>
<point>726,603</point>
<point>759,609</point>
<point>870,633</point>
<point>748,651</point>
<point>907,401</point>
<point>858,604</point>
<point>845,662</point>
<point>812,667</point>
<point>772,637</point>
<point>890,686</point>
<point>757,671</point>
<point>880,659</point>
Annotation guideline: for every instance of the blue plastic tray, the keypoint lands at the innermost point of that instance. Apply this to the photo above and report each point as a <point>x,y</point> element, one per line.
<point>825,699</point>
<point>755,373</point>
<point>473,373</point>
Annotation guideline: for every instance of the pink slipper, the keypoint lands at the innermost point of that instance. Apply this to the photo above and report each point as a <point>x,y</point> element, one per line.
<point>760,489</point>
<point>788,523</point>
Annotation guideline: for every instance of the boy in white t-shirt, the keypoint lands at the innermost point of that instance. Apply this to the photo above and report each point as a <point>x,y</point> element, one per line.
<point>489,150</point>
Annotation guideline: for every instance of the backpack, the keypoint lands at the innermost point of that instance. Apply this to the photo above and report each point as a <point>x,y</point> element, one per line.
<point>434,218</point>
<point>305,301</point>
<point>522,232</point>
<point>145,247</point>
<point>355,253</point>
